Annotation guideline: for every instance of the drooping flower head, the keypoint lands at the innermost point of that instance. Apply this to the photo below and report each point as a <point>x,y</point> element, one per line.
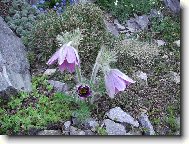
<point>84,91</point>
<point>67,57</point>
<point>116,81</point>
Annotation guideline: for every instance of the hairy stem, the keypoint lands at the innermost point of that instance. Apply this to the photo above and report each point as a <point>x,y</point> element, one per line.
<point>94,73</point>
<point>95,68</point>
<point>78,72</point>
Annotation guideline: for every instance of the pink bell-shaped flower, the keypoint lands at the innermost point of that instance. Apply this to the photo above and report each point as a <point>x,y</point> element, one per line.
<point>67,57</point>
<point>116,81</point>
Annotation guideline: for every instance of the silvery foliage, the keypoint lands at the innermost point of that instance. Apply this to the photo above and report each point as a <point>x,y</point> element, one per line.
<point>65,37</point>
<point>21,17</point>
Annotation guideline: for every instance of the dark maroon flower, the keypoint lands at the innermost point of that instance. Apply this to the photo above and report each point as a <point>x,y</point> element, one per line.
<point>84,91</point>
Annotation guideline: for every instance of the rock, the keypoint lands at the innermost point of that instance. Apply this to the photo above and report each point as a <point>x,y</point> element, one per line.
<point>58,86</point>
<point>173,5</point>
<point>178,121</point>
<point>177,133</point>
<point>128,34</point>
<point>177,43</point>
<point>75,131</point>
<point>134,132</point>
<point>67,125</point>
<point>117,114</point>
<point>81,133</point>
<point>118,25</point>
<point>75,121</point>
<point>32,131</point>
<point>155,13</point>
<point>89,132</point>
<point>132,25</point>
<point>138,23</point>
<point>178,126</point>
<point>49,132</point>
<point>123,31</point>
<point>49,72</point>
<point>141,75</point>
<point>142,21</point>
<point>146,124</point>
<point>111,28</point>
<point>113,128</point>
<point>14,66</point>
<point>141,78</point>
<point>174,77</point>
<point>91,123</point>
<point>160,42</point>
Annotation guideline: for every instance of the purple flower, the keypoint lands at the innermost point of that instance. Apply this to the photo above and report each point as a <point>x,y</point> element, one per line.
<point>67,57</point>
<point>84,91</point>
<point>63,3</point>
<point>116,81</point>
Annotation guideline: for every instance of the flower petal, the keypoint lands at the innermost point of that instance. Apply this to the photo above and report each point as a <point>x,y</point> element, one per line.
<point>71,67</point>
<point>118,82</point>
<point>71,57</point>
<point>86,93</point>
<point>109,83</point>
<point>116,90</point>
<point>122,76</point>
<point>62,54</point>
<point>77,56</point>
<point>53,58</point>
<point>63,66</point>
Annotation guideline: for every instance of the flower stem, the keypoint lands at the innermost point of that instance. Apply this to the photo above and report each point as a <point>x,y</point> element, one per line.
<point>95,68</point>
<point>78,71</point>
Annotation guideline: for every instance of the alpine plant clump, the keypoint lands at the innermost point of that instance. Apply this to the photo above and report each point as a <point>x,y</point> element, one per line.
<point>21,17</point>
<point>87,17</point>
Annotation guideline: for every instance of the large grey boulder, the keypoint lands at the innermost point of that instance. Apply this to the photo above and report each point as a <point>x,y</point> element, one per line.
<point>14,66</point>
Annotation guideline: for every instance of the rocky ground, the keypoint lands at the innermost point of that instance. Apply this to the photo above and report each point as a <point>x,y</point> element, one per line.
<point>150,107</point>
<point>117,122</point>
